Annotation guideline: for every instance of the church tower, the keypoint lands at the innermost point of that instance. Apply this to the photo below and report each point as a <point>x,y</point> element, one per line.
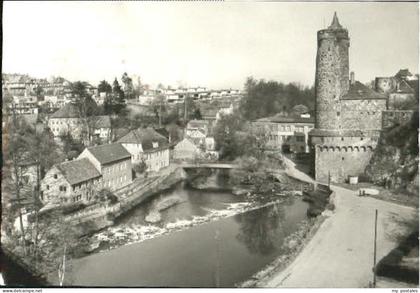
<point>332,75</point>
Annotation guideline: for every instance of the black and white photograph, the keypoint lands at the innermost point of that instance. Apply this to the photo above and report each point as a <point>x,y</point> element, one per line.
<point>210,144</point>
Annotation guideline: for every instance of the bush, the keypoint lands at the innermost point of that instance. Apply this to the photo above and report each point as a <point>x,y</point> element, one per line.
<point>330,206</point>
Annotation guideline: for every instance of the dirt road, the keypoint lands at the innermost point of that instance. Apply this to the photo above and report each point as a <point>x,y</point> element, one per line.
<point>341,252</point>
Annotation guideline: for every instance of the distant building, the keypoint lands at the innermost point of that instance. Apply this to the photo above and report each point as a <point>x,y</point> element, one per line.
<point>113,162</point>
<point>145,144</point>
<point>287,133</point>
<point>70,182</point>
<point>224,111</point>
<point>186,150</point>
<point>101,126</point>
<point>402,90</point>
<point>197,125</point>
<point>66,120</point>
<point>24,105</point>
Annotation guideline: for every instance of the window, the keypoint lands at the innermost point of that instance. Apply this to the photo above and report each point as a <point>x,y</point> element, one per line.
<point>48,187</point>
<point>342,158</point>
<point>338,113</point>
<point>55,176</point>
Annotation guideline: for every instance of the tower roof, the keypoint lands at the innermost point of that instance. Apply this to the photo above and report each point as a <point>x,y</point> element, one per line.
<point>335,24</point>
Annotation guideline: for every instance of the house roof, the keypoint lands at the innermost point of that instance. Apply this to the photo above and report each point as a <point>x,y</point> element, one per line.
<point>69,110</point>
<point>287,119</point>
<point>145,137</point>
<point>344,133</point>
<point>162,131</point>
<point>191,141</point>
<point>101,122</point>
<point>404,87</point>
<point>300,109</point>
<point>414,84</point>
<point>198,123</point>
<point>335,24</point>
<point>120,132</point>
<point>108,153</point>
<point>359,91</point>
<point>77,171</point>
<point>403,73</point>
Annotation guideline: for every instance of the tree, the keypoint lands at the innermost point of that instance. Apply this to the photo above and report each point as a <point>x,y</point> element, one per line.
<point>53,244</point>
<point>128,86</point>
<point>39,92</point>
<point>104,87</point>
<point>140,168</point>
<point>86,107</point>
<point>118,98</point>
<point>225,135</point>
<point>265,98</point>
<point>106,197</point>
<point>159,107</point>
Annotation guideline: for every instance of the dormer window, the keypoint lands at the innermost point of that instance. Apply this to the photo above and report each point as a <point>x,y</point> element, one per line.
<point>155,144</point>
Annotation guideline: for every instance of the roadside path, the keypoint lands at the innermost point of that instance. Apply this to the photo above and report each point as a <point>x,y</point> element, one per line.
<point>341,252</point>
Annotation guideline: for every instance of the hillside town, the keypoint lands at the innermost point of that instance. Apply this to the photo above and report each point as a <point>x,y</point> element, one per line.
<point>91,168</point>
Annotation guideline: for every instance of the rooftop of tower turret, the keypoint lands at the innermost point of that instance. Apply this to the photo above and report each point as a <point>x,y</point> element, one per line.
<point>335,24</point>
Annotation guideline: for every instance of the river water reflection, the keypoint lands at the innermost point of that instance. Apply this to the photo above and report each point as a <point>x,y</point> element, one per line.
<point>216,254</point>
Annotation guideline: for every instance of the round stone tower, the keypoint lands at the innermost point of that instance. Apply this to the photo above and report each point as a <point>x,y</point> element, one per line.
<point>332,74</point>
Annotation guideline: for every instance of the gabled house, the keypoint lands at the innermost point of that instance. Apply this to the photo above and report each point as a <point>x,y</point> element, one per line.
<point>145,144</point>
<point>70,182</point>
<point>187,150</point>
<point>66,120</point>
<point>101,126</point>
<point>202,125</point>
<point>113,161</point>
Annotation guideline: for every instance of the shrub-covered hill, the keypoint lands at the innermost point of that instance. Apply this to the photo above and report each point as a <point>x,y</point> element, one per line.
<point>396,158</point>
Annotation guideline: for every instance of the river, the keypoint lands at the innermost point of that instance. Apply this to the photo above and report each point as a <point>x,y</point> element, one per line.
<point>221,253</point>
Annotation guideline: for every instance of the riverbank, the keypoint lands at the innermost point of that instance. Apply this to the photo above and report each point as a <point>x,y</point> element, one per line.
<point>343,245</point>
<point>98,217</point>
<point>292,246</point>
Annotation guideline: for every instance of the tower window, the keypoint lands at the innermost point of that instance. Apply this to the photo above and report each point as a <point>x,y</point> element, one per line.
<point>338,113</point>
<point>342,158</point>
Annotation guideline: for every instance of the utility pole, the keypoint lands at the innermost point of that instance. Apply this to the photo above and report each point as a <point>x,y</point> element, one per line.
<point>185,108</point>
<point>329,180</point>
<point>218,258</point>
<point>374,249</point>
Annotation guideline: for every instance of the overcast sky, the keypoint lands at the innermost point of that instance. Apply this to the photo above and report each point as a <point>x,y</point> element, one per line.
<point>213,44</point>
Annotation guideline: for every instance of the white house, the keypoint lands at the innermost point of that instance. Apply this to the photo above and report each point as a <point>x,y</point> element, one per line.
<point>186,149</point>
<point>145,144</point>
<point>113,162</point>
<point>66,120</point>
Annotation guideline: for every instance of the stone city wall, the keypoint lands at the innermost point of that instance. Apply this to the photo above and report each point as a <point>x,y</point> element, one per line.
<point>362,114</point>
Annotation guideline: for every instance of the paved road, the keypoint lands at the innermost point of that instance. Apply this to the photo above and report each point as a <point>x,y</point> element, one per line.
<point>341,252</point>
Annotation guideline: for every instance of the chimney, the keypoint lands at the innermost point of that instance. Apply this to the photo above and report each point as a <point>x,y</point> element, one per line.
<point>352,77</point>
